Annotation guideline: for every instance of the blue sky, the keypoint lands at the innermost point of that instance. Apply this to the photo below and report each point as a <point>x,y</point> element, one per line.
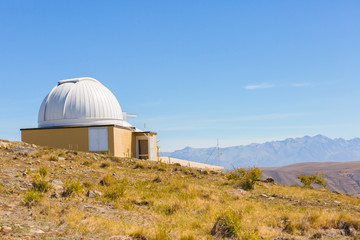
<point>193,71</point>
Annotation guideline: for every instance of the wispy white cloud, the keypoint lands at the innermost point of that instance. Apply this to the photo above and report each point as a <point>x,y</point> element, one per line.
<point>269,85</point>
<point>259,86</point>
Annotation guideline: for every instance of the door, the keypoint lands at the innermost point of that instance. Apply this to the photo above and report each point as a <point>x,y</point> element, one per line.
<point>143,148</point>
<point>98,139</point>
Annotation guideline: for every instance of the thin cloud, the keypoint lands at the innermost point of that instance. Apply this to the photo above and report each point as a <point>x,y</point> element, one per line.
<point>259,86</point>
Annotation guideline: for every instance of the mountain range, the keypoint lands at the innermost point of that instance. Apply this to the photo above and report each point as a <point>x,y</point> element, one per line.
<point>318,148</point>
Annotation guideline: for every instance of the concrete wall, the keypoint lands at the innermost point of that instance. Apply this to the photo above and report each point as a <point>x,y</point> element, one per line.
<point>70,138</point>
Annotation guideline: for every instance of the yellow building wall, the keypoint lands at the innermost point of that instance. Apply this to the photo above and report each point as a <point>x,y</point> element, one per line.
<point>70,138</point>
<point>121,141</point>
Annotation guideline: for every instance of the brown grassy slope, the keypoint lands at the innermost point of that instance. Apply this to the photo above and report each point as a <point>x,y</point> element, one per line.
<point>340,176</point>
<point>150,200</point>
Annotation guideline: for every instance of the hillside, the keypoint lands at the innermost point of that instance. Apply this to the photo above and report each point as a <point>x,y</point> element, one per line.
<point>340,176</point>
<point>277,153</point>
<point>59,194</point>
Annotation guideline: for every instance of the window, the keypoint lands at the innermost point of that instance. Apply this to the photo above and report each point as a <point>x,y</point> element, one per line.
<point>98,139</point>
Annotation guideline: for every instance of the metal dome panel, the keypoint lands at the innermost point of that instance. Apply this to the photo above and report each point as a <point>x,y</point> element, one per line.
<point>80,102</point>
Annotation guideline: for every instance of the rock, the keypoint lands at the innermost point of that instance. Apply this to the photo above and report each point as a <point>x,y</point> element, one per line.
<point>57,182</point>
<point>54,195</point>
<point>4,144</point>
<point>127,237</point>
<point>61,158</point>
<point>337,202</point>
<point>58,186</point>
<point>6,229</point>
<point>269,180</point>
<point>23,150</point>
<point>93,194</point>
<point>33,146</point>
<point>264,195</point>
<point>37,231</point>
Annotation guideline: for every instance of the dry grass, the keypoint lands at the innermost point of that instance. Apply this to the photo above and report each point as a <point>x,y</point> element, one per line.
<point>150,200</point>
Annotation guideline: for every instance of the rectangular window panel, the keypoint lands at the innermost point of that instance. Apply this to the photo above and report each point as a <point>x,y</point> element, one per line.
<point>98,139</point>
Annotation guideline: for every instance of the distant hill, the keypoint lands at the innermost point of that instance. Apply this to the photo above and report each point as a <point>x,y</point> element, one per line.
<point>342,177</point>
<point>277,153</point>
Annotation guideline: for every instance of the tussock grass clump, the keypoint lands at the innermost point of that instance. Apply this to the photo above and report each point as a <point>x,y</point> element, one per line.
<point>157,179</point>
<point>32,197</point>
<point>86,163</point>
<point>87,184</point>
<point>140,165</point>
<point>54,158</point>
<point>43,172</point>
<point>105,164</point>
<point>187,237</point>
<point>61,154</point>
<point>107,180</point>
<point>115,192</point>
<point>71,188</point>
<point>40,185</point>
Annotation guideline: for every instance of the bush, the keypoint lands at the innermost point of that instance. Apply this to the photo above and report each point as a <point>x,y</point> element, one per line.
<point>105,165</point>
<point>40,185</point>
<point>31,197</point>
<point>43,172</point>
<point>312,179</point>
<point>139,165</point>
<point>115,192</point>
<point>54,158</point>
<point>107,180</point>
<point>86,163</point>
<point>226,226</point>
<point>245,178</point>
<point>86,184</point>
<point>71,188</point>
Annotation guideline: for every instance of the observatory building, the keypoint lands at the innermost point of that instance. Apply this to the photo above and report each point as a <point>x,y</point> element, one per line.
<point>82,114</point>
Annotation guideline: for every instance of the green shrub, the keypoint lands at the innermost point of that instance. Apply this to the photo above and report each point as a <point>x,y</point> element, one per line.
<point>115,192</point>
<point>71,188</point>
<point>86,184</point>
<point>54,158</point>
<point>31,197</point>
<point>105,165</point>
<point>245,178</point>
<point>62,154</point>
<point>312,179</point>
<point>86,163</point>
<point>139,165</point>
<point>43,172</point>
<point>228,225</point>
<point>40,185</point>
<point>187,237</point>
<point>107,180</point>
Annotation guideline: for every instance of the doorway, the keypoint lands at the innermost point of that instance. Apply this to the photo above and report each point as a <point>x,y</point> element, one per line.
<point>143,145</point>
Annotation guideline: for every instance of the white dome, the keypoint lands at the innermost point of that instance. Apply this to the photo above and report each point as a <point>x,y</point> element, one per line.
<point>80,102</point>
